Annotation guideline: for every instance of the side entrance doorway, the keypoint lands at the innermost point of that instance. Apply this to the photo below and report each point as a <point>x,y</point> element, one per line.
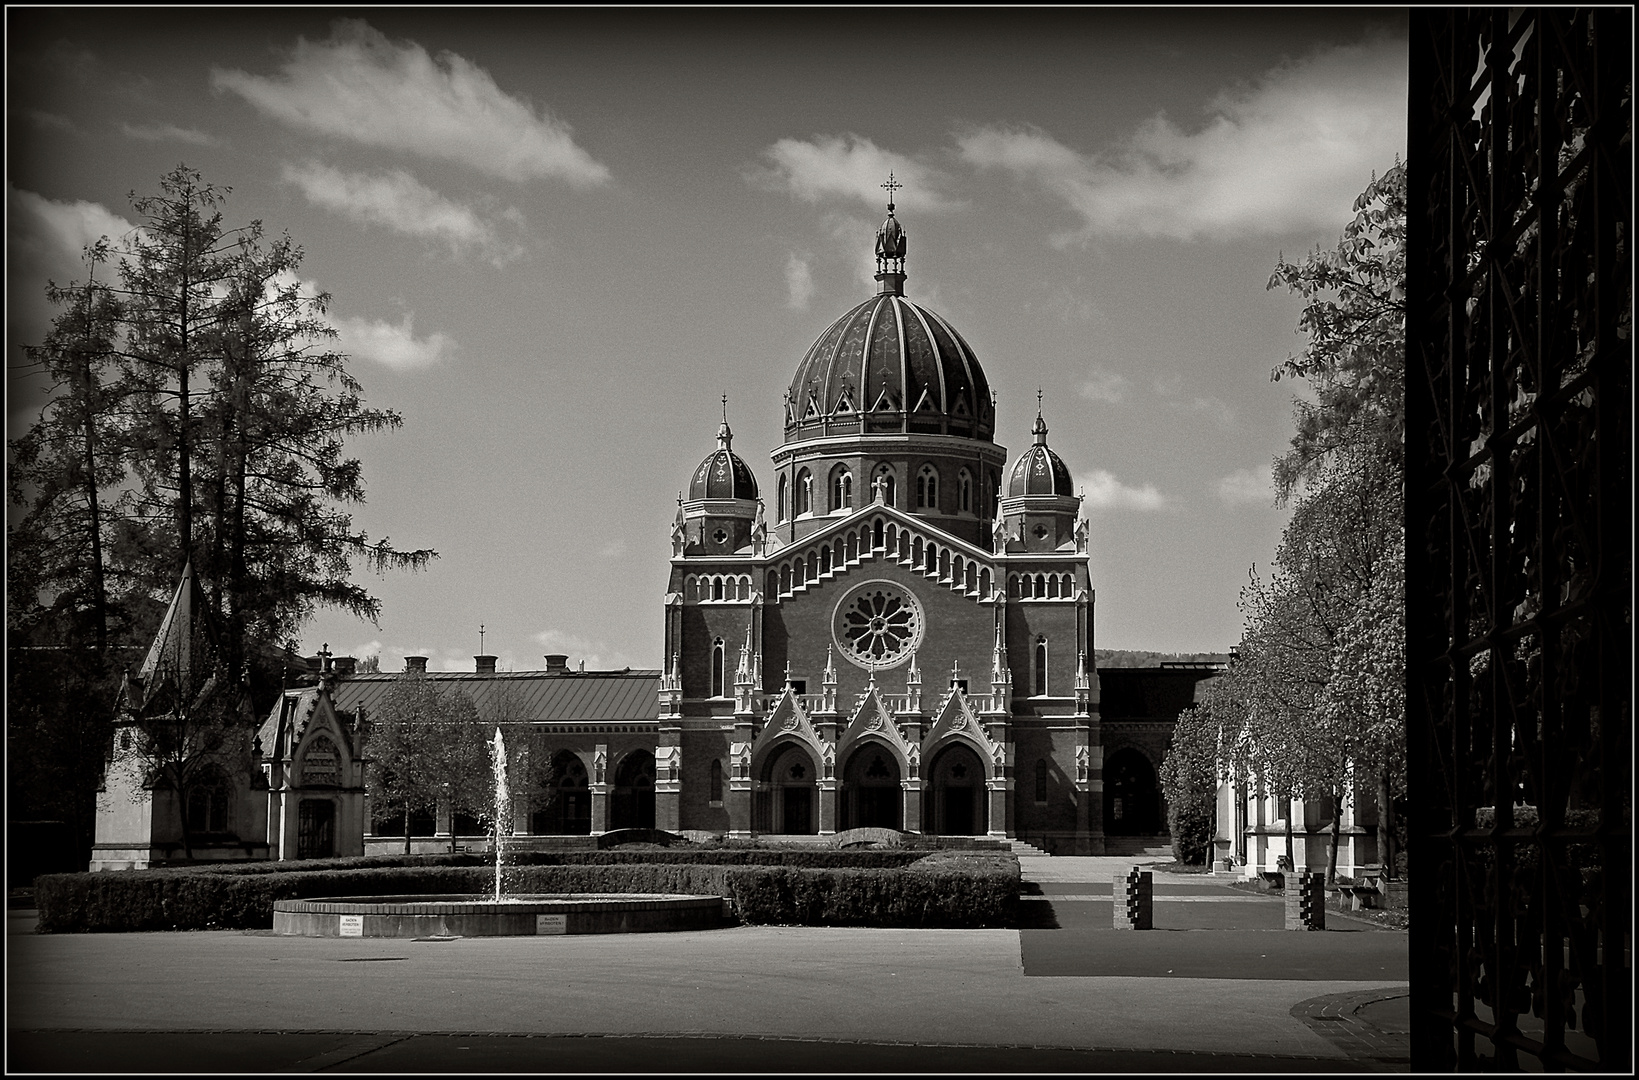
<point>787,799</point>
<point>954,801</point>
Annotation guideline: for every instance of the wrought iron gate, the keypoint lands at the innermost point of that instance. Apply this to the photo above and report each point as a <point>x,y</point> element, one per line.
<point>1519,553</point>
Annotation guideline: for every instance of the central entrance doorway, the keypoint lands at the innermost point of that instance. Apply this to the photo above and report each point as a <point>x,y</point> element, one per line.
<point>788,798</point>
<point>1132,798</point>
<point>871,794</point>
<point>954,800</point>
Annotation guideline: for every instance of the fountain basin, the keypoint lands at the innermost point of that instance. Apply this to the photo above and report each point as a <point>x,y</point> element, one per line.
<point>467,915</point>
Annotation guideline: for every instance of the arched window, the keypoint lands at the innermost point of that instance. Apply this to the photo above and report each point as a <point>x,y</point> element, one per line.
<point>1041,667</point>
<point>784,493</point>
<point>1041,780</point>
<point>716,781</point>
<point>717,668</point>
<point>804,493</point>
<point>927,488</point>
<point>842,489</point>
<point>716,588</point>
<point>884,473</point>
<point>964,491</point>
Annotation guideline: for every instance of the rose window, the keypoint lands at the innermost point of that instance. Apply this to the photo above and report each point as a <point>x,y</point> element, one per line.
<point>878,625</point>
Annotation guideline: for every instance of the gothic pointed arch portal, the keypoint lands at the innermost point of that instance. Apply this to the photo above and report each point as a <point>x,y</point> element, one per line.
<point>787,791</point>
<point>871,794</point>
<point>955,800</point>
<point>1132,798</point>
<point>631,805</point>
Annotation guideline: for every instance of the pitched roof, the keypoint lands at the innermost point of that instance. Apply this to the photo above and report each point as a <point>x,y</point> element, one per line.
<point>562,696</point>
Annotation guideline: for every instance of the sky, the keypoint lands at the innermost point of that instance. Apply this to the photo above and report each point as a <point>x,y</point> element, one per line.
<point>554,239</point>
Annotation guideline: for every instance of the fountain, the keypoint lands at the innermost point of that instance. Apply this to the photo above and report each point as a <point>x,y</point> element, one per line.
<point>498,916</point>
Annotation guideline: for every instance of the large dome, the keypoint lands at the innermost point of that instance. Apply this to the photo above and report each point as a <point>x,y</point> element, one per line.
<point>889,365</point>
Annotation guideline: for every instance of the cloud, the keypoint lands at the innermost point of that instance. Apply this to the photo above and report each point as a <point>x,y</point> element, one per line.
<point>50,121</point>
<point>168,133</point>
<point>799,283</point>
<point>847,166</point>
<point>597,654</point>
<point>401,203</point>
<point>1105,492</point>
<point>362,87</point>
<point>1245,487</point>
<point>44,242</point>
<point>1288,153</point>
<point>392,346</point>
<point>1105,385</point>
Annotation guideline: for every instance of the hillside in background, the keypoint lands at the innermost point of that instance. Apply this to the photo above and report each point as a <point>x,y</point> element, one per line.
<point>1116,658</point>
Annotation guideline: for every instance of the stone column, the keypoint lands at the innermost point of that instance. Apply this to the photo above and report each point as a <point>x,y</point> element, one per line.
<point>828,806</point>
<point>910,814</point>
<point>1001,807</point>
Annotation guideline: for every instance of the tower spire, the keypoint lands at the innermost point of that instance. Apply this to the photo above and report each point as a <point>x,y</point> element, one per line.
<point>725,437</point>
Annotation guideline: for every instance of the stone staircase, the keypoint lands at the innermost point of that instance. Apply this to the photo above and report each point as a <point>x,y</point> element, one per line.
<point>1024,850</point>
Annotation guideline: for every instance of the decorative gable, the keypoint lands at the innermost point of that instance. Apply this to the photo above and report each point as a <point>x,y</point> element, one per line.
<point>871,717</point>
<point>788,720</point>
<point>956,720</point>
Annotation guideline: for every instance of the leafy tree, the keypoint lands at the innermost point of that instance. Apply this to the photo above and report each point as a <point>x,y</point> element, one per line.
<point>1319,660</point>
<point>425,745</point>
<point>1354,358</point>
<point>1194,766</point>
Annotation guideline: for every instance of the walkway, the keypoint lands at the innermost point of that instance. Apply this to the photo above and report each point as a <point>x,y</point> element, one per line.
<point>1065,994</point>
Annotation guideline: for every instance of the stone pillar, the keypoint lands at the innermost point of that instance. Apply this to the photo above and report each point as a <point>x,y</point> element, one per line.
<point>520,815</point>
<point>828,806</point>
<point>668,786</point>
<point>600,788</point>
<point>1001,807</point>
<point>910,814</point>
<point>738,805</point>
<point>1133,894</point>
<point>1305,901</point>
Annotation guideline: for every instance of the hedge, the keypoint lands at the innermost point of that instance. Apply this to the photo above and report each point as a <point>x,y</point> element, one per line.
<point>954,891</point>
<point>835,888</point>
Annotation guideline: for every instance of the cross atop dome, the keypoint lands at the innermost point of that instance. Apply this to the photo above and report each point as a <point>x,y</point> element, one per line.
<point>890,247</point>
<point>891,186</point>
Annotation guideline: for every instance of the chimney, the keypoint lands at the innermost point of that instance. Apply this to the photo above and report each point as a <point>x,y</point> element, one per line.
<point>415,663</point>
<point>484,665</point>
<point>345,666</point>
<point>557,663</point>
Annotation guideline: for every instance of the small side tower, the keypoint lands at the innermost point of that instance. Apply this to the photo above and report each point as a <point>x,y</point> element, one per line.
<point>1039,505</point>
<point>721,512</point>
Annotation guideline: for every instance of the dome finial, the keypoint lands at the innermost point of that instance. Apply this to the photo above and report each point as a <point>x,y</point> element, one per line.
<point>890,248</point>
<point>725,437</point>
<point>1040,428</point>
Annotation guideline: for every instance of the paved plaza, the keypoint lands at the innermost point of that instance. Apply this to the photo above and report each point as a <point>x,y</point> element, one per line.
<point>1217,986</point>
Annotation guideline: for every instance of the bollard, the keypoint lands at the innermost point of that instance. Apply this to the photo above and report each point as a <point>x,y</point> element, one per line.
<point>1133,894</point>
<point>1305,902</point>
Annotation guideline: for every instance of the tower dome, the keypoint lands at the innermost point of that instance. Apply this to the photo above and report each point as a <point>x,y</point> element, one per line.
<point>723,474</point>
<point>1039,471</point>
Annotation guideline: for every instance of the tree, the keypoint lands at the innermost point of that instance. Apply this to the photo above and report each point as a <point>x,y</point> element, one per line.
<point>1333,608</point>
<point>198,418</point>
<point>1354,358</point>
<point>425,746</point>
<point>1194,766</point>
